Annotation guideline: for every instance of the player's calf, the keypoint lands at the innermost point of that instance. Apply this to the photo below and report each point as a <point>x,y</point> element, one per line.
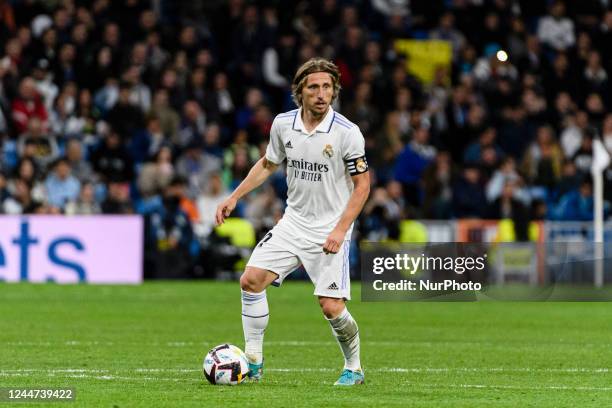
<point>255,316</point>
<point>346,331</point>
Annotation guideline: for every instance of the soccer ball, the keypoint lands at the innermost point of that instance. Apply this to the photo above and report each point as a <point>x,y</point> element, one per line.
<point>225,365</point>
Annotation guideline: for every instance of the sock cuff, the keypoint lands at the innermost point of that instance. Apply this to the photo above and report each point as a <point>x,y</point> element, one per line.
<point>252,297</point>
<point>342,316</point>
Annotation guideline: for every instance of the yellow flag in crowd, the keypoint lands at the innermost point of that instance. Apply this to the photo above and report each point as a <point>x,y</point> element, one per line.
<point>425,57</point>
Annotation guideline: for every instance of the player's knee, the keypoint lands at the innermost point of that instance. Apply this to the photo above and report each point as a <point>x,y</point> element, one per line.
<point>250,282</point>
<point>247,283</point>
<point>331,307</point>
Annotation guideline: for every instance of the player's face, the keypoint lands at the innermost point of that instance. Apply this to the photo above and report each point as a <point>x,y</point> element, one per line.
<point>317,93</point>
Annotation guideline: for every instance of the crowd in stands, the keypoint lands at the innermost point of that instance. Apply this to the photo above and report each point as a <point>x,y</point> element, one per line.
<point>160,107</point>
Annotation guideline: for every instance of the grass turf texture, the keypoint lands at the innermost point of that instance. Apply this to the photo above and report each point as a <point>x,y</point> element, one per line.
<point>143,346</point>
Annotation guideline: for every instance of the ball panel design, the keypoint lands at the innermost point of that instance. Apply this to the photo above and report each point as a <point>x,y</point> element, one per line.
<point>225,364</point>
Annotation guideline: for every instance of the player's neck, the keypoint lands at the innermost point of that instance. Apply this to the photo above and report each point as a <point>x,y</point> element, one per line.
<point>312,119</point>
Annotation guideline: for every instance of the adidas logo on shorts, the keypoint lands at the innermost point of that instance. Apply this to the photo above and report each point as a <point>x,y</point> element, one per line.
<point>333,286</point>
<point>288,145</point>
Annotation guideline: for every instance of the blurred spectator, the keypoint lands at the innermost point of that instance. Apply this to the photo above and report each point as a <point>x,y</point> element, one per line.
<point>169,235</point>
<point>571,136</point>
<point>37,144</point>
<point>474,152</point>
<point>212,140</point>
<point>411,163</point>
<point>607,132</point>
<point>168,117</point>
<point>253,99</point>
<point>382,214</point>
<point>542,163</point>
<point>208,201</point>
<point>259,127</point>
<point>28,105</point>
<point>506,206</point>
<point>26,170</point>
<point>4,193</point>
<point>193,124</point>
<point>140,94</point>
<point>80,167</point>
<point>277,65</point>
<point>555,30</point>
<point>196,166</point>
<point>117,200</point>
<point>44,83</point>
<point>223,97</point>
<point>584,155</point>
<point>361,111</point>
<point>85,204</point>
<point>469,200</point>
<point>111,159</point>
<point>386,146</point>
<point>156,175</point>
<point>576,205</point>
<point>506,173</point>
<point>146,142</point>
<point>198,90</point>
<point>264,210</point>
<point>595,76</point>
<point>438,180</point>
<point>237,166</point>
<point>125,118</point>
<point>20,201</point>
<point>61,185</point>
<point>447,32</point>
<point>570,178</point>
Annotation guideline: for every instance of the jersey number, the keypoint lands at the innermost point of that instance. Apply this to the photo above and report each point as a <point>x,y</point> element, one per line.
<point>265,239</point>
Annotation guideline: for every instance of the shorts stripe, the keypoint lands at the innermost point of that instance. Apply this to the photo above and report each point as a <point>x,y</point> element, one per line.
<point>345,264</point>
<point>256,317</point>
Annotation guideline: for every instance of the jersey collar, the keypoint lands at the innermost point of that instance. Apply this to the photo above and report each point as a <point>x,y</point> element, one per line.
<point>323,127</point>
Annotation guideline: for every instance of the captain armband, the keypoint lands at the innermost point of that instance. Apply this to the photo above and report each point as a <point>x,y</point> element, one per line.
<point>357,165</point>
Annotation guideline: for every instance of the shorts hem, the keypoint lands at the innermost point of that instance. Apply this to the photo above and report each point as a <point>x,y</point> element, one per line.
<point>333,295</point>
<point>279,275</point>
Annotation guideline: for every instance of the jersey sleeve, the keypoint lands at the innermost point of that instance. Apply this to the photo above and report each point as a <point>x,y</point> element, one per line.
<point>354,152</point>
<point>275,152</point>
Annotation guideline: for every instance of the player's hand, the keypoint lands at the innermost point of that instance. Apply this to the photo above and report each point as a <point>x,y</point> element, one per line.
<point>224,210</point>
<point>333,242</point>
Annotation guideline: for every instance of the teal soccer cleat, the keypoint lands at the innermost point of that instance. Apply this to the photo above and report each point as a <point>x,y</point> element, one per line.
<point>255,371</point>
<point>349,377</point>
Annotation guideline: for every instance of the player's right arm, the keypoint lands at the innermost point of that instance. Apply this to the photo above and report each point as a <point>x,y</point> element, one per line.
<point>257,175</point>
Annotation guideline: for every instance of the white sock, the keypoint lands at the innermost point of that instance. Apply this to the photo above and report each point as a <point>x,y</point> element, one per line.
<point>346,332</point>
<point>254,322</point>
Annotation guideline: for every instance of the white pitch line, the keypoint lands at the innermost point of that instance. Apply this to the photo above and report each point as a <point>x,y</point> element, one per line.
<point>291,343</point>
<point>570,370</point>
<point>513,387</point>
<point>125,378</point>
<point>70,374</point>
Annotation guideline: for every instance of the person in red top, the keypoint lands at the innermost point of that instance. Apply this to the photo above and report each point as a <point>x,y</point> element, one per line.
<point>28,105</point>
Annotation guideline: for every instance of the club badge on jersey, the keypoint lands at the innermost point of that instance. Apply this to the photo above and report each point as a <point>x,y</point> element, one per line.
<point>328,151</point>
<point>357,165</point>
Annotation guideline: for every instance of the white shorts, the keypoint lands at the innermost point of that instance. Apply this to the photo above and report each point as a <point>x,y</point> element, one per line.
<point>283,250</point>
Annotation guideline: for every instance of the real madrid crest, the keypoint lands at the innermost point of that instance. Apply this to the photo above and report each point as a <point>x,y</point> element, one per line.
<point>328,151</point>
<point>361,165</point>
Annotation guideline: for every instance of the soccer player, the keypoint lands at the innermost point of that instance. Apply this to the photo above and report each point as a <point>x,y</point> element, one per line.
<point>328,180</point>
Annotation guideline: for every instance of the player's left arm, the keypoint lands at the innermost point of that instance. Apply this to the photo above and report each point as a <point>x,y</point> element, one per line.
<point>361,190</point>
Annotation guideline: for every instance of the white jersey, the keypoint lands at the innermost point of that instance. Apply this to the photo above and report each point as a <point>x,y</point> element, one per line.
<point>319,169</point>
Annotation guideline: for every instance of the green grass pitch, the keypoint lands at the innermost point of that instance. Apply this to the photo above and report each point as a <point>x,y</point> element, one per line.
<point>142,346</point>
